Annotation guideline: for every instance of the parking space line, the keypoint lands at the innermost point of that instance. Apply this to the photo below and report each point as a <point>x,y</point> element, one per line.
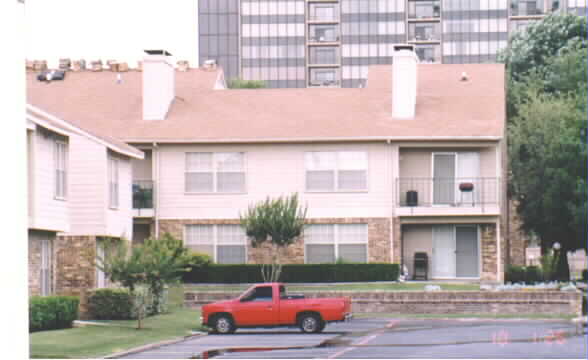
<point>369,338</point>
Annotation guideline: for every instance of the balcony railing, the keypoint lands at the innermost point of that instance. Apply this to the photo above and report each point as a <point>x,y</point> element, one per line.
<point>463,192</point>
<point>143,194</point>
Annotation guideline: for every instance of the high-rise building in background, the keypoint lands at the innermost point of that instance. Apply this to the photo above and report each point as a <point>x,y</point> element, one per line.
<point>307,43</point>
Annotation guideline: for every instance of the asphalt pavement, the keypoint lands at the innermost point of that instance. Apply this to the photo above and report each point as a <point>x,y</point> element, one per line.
<point>389,338</point>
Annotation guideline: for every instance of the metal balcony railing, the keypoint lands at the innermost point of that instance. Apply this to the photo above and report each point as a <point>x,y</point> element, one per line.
<point>143,194</point>
<point>464,192</point>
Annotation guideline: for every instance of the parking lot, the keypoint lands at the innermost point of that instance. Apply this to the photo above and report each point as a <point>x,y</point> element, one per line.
<point>390,338</point>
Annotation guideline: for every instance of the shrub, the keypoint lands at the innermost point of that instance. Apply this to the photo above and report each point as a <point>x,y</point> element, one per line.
<point>52,312</point>
<point>584,275</point>
<point>110,304</point>
<point>522,274</point>
<point>246,84</point>
<point>515,274</point>
<point>533,275</point>
<point>295,273</point>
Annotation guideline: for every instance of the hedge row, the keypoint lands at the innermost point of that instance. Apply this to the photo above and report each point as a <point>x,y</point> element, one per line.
<point>585,275</point>
<point>294,273</point>
<point>523,274</point>
<point>110,304</point>
<point>52,312</point>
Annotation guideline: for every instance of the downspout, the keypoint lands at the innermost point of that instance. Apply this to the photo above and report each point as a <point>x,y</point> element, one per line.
<point>392,202</point>
<point>156,185</point>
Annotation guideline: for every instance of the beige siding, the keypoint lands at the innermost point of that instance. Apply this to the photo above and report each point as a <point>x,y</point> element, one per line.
<point>119,222</point>
<point>142,168</point>
<point>418,162</point>
<point>274,170</point>
<point>87,186</point>
<point>417,238</point>
<point>49,213</point>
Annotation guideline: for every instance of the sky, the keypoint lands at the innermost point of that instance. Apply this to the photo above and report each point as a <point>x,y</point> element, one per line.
<point>110,29</point>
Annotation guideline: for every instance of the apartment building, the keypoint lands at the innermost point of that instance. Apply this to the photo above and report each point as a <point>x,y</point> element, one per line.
<point>412,163</point>
<point>79,189</point>
<point>309,43</point>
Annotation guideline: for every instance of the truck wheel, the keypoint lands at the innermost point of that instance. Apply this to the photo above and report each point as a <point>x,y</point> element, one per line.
<point>310,323</point>
<point>223,324</point>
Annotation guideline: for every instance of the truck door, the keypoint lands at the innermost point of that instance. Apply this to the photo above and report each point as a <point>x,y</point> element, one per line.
<point>260,307</point>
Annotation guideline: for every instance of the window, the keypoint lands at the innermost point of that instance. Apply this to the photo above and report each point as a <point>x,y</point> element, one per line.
<point>226,244</point>
<point>113,183</point>
<point>323,33</point>
<point>325,243</point>
<point>428,53</point>
<point>321,55</point>
<point>215,172</point>
<point>324,77</point>
<point>424,31</point>
<point>261,293</point>
<point>100,276</point>
<point>323,12</point>
<point>46,267</point>
<point>336,171</point>
<point>423,9</point>
<point>60,164</point>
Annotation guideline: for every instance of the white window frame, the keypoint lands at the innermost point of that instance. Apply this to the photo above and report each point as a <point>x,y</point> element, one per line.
<point>214,170</point>
<point>337,242</point>
<point>100,275</point>
<point>336,171</point>
<point>215,243</point>
<point>46,267</point>
<point>60,169</point>
<point>113,183</point>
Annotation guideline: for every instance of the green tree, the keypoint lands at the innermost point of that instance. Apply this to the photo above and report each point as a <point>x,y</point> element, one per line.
<point>152,265</point>
<point>277,222</point>
<point>164,261</point>
<point>548,158</point>
<point>531,49</point>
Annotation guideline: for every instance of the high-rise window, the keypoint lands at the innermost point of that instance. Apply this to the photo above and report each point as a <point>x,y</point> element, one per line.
<point>323,33</point>
<point>419,9</point>
<point>323,11</point>
<point>324,55</point>
<point>424,31</point>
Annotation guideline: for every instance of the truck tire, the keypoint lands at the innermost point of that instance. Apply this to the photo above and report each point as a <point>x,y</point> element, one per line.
<point>223,324</point>
<point>310,323</point>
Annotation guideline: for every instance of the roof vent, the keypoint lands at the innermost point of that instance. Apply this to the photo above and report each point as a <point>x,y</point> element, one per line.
<point>464,76</point>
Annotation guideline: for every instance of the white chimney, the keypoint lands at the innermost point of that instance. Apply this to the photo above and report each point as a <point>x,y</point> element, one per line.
<point>158,84</point>
<point>404,82</point>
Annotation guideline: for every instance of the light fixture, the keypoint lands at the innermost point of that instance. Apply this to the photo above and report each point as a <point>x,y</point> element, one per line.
<point>556,246</point>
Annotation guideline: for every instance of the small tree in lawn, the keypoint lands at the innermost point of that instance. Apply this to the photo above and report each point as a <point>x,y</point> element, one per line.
<point>277,222</point>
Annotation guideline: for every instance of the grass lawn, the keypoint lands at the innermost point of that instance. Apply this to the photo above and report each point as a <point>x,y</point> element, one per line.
<point>339,287</point>
<point>97,341</point>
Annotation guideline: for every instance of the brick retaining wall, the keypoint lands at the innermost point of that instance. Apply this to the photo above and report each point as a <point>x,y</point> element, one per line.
<point>438,302</point>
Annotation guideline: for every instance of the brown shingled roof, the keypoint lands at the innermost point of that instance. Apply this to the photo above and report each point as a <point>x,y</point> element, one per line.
<point>446,107</point>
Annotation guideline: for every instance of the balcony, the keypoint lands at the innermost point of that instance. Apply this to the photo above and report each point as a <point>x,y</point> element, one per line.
<point>143,198</point>
<point>448,196</point>
<point>424,9</point>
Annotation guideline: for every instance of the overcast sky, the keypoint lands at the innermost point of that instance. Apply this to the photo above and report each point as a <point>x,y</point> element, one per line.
<point>110,29</point>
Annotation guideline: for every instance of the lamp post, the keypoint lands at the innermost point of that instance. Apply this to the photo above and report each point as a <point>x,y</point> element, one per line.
<point>554,265</point>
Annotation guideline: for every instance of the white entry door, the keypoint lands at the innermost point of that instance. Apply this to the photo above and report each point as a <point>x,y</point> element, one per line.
<point>443,251</point>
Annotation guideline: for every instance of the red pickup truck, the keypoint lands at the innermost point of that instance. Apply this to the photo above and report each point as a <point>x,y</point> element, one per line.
<point>268,305</point>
